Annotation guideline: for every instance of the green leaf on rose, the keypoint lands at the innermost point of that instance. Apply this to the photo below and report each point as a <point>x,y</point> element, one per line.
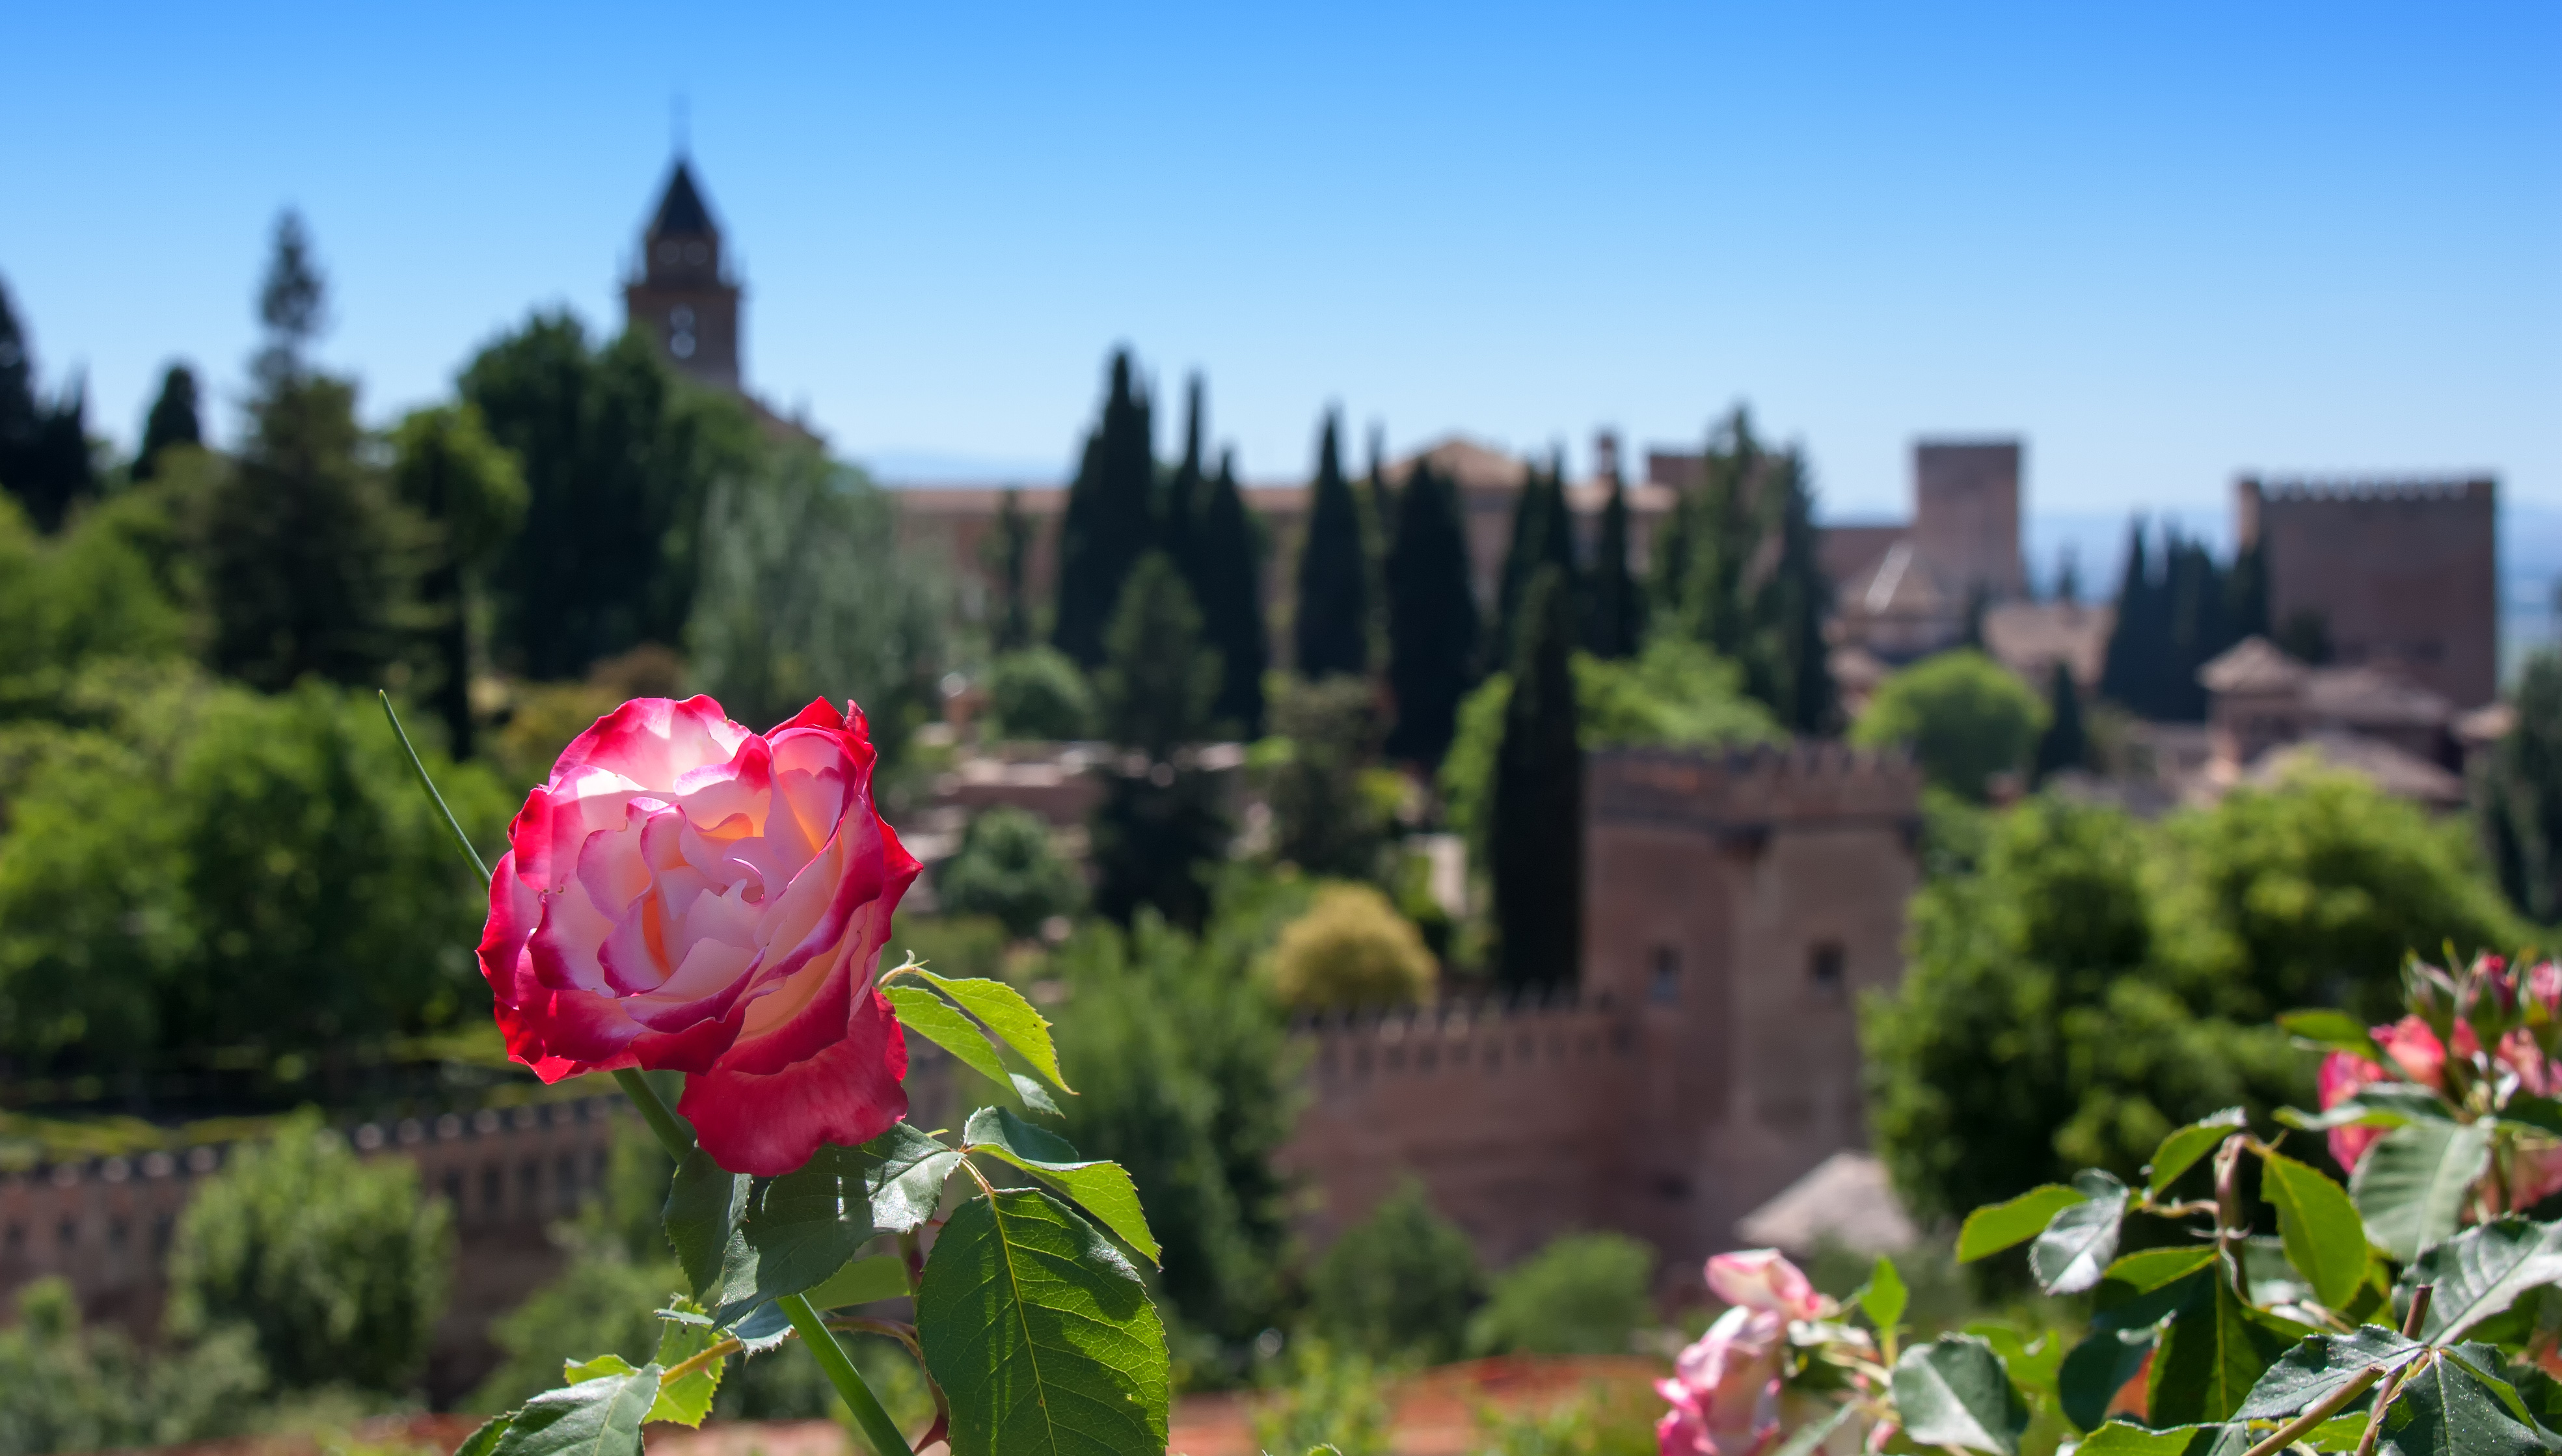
<point>1953,1391</point>
<point>2456,1404</point>
<point>2411,1185</point>
<point>1104,1189</point>
<point>1997,1227</point>
<point>2081,1240</point>
<point>484,1441</point>
<point>932,1017</point>
<point>686,1399</point>
<point>1041,1332</point>
<point>2151,1269</point>
<point>2533,1113</point>
<point>2375,1104</point>
<point>2319,1365</point>
<point>2480,1272</point>
<point>2327,1030</point>
<point>2323,1237</point>
<point>1883,1296</point>
<point>2180,1151</point>
<point>2033,1363</point>
<point>598,1415</point>
<point>1005,1012</point>
<point>704,1203</point>
<point>798,1230</point>
<point>904,1172</point>
<point>1806,1440</point>
<point>2118,1438</point>
<point>2216,1349</point>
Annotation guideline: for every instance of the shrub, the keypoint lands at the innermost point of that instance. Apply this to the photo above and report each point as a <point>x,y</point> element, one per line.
<point>1038,694</point>
<point>1584,1294</point>
<point>1964,716</point>
<point>1351,948</point>
<point>337,1266</point>
<point>63,1387</point>
<point>1400,1284</point>
<point>1318,769</point>
<point>1005,868</point>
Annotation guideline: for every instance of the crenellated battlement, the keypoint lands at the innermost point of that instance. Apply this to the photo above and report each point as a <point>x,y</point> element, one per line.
<point>1489,1037</point>
<point>1751,793</point>
<point>2356,489</point>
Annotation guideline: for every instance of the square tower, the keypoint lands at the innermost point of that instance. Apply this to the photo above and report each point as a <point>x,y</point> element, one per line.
<point>684,298</point>
<point>1965,517</point>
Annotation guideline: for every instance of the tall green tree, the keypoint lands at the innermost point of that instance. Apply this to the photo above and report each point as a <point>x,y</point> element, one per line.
<point>1179,514</point>
<point>1110,518</point>
<point>306,557</point>
<point>44,445</point>
<point>174,420</point>
<point>619,457</point>
<point>2063,744</point>
<point>2517,793</point>
<point>1006,553</point>
<point>1537,829</point>
<point>805,594</point>
<point>1332,625</point>
<point>1617,607</point>
<point>2137,641</point>
<point>471,494</point>
<point>1718,531</point>
<point>1543,536</point>
<point>1159,823</point>
<point>1790,666</point>
<point>1225,572</point>
<point>1432,628</point>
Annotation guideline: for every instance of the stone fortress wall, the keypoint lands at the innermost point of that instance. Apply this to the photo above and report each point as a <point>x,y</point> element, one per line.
<point>2400,573</point>
<point>1735,908</point>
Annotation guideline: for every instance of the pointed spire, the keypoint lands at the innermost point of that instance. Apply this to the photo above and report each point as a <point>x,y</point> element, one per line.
<point>682,212</point>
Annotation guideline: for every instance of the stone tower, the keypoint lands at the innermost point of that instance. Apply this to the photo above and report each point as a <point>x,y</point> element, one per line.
<point>684,297</point>
<point>1965,515</point>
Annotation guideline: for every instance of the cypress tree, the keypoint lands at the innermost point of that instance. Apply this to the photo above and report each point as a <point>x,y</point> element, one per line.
<point>1179,514</point>
<point>2246,592</point>
<point>2068,577</point>
<point>1535,818</point>
<point>1111,517</point>
<point>303,548</point>
<point>2126,672</point>
<point>1618,613</point>
<point>2517,795</point>
<point>43,447</point>
<point>1791,667</point>
<point>1159,822</point>
<point>173,420</point>
<point>2063,745</point>
<point>1543,536</point>
<point>1433,623</point>
<point>1226,575</point>
<point>1332,627</point>
<point>1006,553</point>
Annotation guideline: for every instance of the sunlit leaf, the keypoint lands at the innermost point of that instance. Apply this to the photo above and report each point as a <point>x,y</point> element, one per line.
<point>932,1017</point>
<point>2480,1272</point>
<point>1953,1391</point>
<point>2333,1031</point>
<point>1040,1334</point>
<point>864,1281</point>
<point>798,1229</point>
<point>687,1398</point>
<point>2324,1237</point>
<point>2180,1151</point>
<point>1104,1189</point>
<point>2319,1365</point>
<point>2447,1409</point>
<point>598,1416</point>
<point>2075,1250</point>
<point>1884,1295</point>
<point>1997,1227</point>
<point>2412,1184</point>
<point>1005,1012</point>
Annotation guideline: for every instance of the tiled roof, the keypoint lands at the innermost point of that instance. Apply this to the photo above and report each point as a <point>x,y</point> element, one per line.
<point>2030,638</point>
<point>2399,774</point>
<point>2255,665</point>
<point>2373,697</point>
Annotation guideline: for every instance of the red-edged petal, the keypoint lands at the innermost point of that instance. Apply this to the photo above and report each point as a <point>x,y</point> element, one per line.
<point>769,1123</point>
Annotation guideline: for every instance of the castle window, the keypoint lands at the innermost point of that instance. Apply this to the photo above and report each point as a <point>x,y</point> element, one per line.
<point>1663,987</point>
<point>1824,967</point>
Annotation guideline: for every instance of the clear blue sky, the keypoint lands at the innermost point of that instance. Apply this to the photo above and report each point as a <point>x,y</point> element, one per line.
<point>2161,242</point>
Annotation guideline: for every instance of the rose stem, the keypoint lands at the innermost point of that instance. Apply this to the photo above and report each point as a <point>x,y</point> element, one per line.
<point>427,784</point>
<point>2321,1410</point>
<point>878,1428</point>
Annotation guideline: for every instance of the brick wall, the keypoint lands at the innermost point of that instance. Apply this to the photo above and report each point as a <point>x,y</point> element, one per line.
<point>2403,573</point>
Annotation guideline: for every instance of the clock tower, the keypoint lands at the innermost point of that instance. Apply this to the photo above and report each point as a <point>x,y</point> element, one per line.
<point>684,297</point>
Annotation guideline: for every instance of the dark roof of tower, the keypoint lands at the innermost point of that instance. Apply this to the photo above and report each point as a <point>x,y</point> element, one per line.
<point>681,213</point>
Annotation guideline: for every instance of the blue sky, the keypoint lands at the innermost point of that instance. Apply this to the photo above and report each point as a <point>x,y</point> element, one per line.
<point>2163,242</point>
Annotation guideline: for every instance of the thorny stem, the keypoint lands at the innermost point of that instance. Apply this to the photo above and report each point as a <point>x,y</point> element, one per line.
<point>878,1428</point>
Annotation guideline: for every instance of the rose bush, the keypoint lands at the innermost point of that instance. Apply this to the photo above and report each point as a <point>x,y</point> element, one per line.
<point>682,894</point>
<point>1725,1389</point>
